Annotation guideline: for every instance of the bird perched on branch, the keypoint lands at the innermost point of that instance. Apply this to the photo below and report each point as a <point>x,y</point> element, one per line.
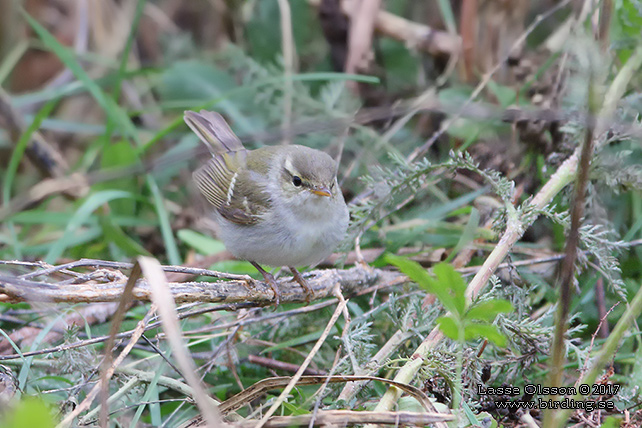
<point>276,206</point>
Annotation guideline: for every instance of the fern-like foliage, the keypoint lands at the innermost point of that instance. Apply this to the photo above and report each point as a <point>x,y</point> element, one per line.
<point>389,188</point>
<point>503,187</point>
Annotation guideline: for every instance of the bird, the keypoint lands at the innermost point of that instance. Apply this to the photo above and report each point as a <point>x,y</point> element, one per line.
<point>275,205</point>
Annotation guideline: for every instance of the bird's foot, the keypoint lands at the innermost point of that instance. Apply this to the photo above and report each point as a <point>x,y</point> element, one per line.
<point>309,294</point>
<point>269,278</point>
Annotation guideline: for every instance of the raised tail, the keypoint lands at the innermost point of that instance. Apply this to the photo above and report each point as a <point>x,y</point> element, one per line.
<point>214,131</point>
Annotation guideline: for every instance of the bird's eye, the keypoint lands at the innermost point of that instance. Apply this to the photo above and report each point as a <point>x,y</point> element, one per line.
<point>296,180</point>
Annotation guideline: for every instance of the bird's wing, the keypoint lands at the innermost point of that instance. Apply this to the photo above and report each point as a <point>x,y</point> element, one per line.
<point>226,184</point>
<point>212,129</point>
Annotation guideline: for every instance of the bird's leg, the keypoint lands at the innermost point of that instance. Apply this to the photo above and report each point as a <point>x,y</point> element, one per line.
<point>299,278</point>
<point>269,278</point>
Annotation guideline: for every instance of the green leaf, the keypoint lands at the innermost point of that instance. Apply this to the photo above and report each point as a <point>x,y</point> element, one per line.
<point>201,243</point>
<point>306,338</point>
<point>504,94</point>
<point>165,225</point>
<point>115,234</point>
<point>487,311</point>
<point>418,274</point>
<point>12,168</point>
<point>293,409</point>
<point>485,331</point>
<point>124,60</point>
<point>451,279</point>
<point>30,412</point>
<point>80,217</point>
<point>467,236</point>
<point>447,15</point>
<point>119,155</point>
<point>410,404</point>
<point>448,326</point>
<point>611,422</point>
<point>470,415</point>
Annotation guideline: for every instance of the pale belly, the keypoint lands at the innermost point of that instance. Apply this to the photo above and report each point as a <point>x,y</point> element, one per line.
<point>279,243</point>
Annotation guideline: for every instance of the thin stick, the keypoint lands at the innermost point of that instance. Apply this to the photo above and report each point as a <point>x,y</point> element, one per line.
<point>124,304</point>
<point>570,256</point>
<point>289,65</point>
<point>351,417</point>
<point>335,316</point>
<point>167,311</point>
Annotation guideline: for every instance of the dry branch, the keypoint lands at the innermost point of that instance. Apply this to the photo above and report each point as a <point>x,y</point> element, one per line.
<point>105,282</point>
<point>416,35</point>
<point>349,418</point>
<point>234,291</point>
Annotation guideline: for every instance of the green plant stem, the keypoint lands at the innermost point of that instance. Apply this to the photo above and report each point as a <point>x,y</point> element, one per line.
<point>128,386</point>
<point>352,388</point>
<point>457,393</point>
<point>555,417</point>
<point>607,352</point>
<point>568,265</point>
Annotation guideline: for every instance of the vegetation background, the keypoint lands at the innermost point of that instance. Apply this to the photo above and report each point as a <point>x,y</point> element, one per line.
<point>489,152</point>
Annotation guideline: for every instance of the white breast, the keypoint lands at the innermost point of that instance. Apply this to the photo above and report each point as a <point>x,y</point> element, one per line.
<point>302,236</point>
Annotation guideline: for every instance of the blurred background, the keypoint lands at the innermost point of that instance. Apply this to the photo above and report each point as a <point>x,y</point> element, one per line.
<point>108,82</point>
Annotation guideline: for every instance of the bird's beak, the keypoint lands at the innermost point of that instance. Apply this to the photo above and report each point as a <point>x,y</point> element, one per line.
<point>321,191</point>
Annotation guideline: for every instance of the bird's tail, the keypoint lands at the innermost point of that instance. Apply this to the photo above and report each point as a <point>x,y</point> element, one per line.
<point>214,131</point>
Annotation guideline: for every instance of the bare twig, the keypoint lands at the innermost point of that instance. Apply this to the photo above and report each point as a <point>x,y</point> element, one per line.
<point>293,382</point>
<point>289,64</point>
<point>570,256</point>
<point>124,265</point>
<point>419,36</point>
<point>349,418</point>
<point>237,291</point>
<point>124,304</point>
<point>281,365</point>
<point>167,310</point>
<point>600,303</point>
<point>362,18</point>
<point>261,387</point>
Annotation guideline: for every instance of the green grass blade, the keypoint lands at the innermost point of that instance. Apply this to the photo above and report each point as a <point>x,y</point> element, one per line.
<point>80,217</point>
<point>122,69</point>
<point>12,59</point>
<point>12,169</point>
<point>165,225</point>
<point>113,111</point>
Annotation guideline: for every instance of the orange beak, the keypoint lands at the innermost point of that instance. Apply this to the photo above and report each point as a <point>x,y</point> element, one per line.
<point>322,191</point>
